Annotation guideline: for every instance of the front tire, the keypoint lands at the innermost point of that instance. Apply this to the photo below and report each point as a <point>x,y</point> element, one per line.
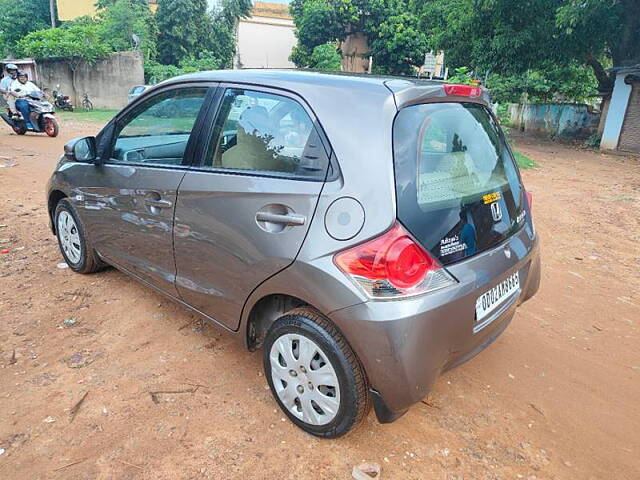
<point>314,375</point>
<point>51,127</point>
<point>72,240</point>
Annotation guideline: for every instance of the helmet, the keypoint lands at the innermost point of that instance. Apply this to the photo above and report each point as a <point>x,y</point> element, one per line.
<point>11,66</point>
<point>22,73</point>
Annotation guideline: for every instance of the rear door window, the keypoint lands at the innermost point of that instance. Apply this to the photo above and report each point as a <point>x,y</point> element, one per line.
<point>266,134</point>
<point>458,188</point>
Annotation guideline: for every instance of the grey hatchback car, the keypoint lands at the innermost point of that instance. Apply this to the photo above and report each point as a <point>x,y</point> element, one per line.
<point>368,233</point>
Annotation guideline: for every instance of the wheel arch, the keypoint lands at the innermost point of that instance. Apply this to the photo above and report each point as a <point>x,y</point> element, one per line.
<point>264,312</point>
<point>54,198</point>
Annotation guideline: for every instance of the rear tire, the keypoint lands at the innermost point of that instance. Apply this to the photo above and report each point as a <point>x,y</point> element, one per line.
<point>314,375</point>
<point>72,240</point>
<point>21,130</point>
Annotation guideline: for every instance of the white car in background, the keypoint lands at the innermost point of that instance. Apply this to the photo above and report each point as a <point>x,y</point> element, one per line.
<point>138,90</point>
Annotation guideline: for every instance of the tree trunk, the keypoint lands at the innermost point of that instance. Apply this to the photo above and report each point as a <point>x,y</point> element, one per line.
<point>605,79</point>
<point>52,11</point>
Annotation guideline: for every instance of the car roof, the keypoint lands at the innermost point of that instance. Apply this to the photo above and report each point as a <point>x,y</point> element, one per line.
<point>301,77</point>
<point>314,86</point>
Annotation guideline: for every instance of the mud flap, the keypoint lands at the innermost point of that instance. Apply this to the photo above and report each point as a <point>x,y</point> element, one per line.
<point>383,412</point>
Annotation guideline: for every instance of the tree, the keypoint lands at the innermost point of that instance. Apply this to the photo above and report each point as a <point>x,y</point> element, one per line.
<point>395,39</point>
<point>18,19</point>
<point>78,43</point>
<point>512,37</point>
<point>598,32</point>
<point>121,19</point>
<point>326,57</point>
<point>184,29</point>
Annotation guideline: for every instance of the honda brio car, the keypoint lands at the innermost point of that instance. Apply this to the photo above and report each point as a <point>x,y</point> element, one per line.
<point>367,233</point>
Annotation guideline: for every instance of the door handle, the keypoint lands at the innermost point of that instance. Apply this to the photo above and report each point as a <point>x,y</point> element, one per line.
<point>158,203</point>
<point>287,219</point>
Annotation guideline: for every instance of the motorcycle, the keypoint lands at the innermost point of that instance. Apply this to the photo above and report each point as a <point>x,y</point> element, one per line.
<point>62,101</point>
<point>42,117</point>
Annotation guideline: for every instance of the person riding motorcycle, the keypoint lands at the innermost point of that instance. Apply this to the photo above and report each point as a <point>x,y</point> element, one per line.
<point>20,88</point>
<point>5,85</point>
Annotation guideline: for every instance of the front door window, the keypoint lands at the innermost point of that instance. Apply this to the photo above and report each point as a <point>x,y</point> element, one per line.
<point>158,130</point>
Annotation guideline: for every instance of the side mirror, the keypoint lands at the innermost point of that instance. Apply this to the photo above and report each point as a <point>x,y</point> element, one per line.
<point>81,150</point>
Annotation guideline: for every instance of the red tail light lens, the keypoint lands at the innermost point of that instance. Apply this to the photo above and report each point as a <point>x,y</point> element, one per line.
<point>393,265</point>
<point>462,90</point>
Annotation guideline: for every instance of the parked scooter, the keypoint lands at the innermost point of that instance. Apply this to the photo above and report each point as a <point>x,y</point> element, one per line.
<point>42,117</point>
<point>61,101</point>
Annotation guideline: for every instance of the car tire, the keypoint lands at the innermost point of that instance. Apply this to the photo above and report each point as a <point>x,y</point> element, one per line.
<point>323,390</point>
<point>72,240</point>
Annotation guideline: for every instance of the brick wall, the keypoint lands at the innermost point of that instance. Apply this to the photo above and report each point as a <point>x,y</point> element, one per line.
<point>630,134</point>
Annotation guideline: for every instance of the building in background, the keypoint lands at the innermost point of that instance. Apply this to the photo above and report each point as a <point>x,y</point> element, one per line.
<point>265,39</point>
<point>71,9</point>
<point>622,122</point>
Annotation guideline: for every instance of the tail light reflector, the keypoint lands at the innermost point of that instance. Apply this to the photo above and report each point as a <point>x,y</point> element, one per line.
<point>393,265</point>
<point>462,90</point>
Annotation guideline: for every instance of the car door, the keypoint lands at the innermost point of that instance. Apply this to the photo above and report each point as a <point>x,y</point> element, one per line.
<point>244,210</point>
<point>128,202</point>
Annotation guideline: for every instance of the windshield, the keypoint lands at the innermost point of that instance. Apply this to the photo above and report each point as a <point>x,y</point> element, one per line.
<point>457,185</point>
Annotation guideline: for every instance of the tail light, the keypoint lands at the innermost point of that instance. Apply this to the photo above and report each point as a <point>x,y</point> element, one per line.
<point>462,90</point>
<point>393,265</point>
<point>66,97</point>
<point>530,201</point>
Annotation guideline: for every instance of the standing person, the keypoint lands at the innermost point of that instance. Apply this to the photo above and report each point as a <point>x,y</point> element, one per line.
<point>5,84</point>
<point>20,88</point>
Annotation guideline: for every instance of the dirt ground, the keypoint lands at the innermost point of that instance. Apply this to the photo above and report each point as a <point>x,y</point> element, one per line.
<point>556,397</point>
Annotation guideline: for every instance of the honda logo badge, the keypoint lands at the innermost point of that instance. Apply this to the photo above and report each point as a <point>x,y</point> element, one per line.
<point>496,212</point>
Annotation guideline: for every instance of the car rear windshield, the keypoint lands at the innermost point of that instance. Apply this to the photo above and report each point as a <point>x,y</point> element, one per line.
<point>458,187</point>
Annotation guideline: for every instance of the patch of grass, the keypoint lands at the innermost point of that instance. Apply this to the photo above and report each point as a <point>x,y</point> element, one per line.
<point>93,116</point>
<point>523,161</point>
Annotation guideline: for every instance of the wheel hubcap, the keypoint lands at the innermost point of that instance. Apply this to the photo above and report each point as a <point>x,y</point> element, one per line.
<point>69,237</point>
<point>304,380</point>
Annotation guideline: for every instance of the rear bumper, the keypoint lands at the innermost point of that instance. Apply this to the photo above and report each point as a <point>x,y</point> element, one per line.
<point>405,345</point>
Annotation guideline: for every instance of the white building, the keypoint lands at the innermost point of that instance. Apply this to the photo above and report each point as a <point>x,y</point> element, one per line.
<point>266,38</point>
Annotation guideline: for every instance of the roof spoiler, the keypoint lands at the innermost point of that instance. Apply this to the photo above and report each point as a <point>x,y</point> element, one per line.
<point>408,93</point>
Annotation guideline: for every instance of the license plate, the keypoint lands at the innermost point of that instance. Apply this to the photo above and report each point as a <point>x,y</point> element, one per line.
<point>492,299</point>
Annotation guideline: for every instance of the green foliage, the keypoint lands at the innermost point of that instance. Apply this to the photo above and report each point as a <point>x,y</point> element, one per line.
<point>511,37</point>
<point>184,30</point>
<point>397,44</point>
<point>80,42</point>
<point>96,115</point>
<point>155,72</point>
<point>551,83</point>
<point>395,39</point>
<point>461,75</point>
<point>593,141</point>
<point>326,57</point>
<point>523,161</point>
<point>18,19</point>
<point>120,19</point>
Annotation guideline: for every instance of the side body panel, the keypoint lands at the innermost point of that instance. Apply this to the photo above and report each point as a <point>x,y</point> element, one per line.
<point>224,248</point>
<point>125,229</point>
